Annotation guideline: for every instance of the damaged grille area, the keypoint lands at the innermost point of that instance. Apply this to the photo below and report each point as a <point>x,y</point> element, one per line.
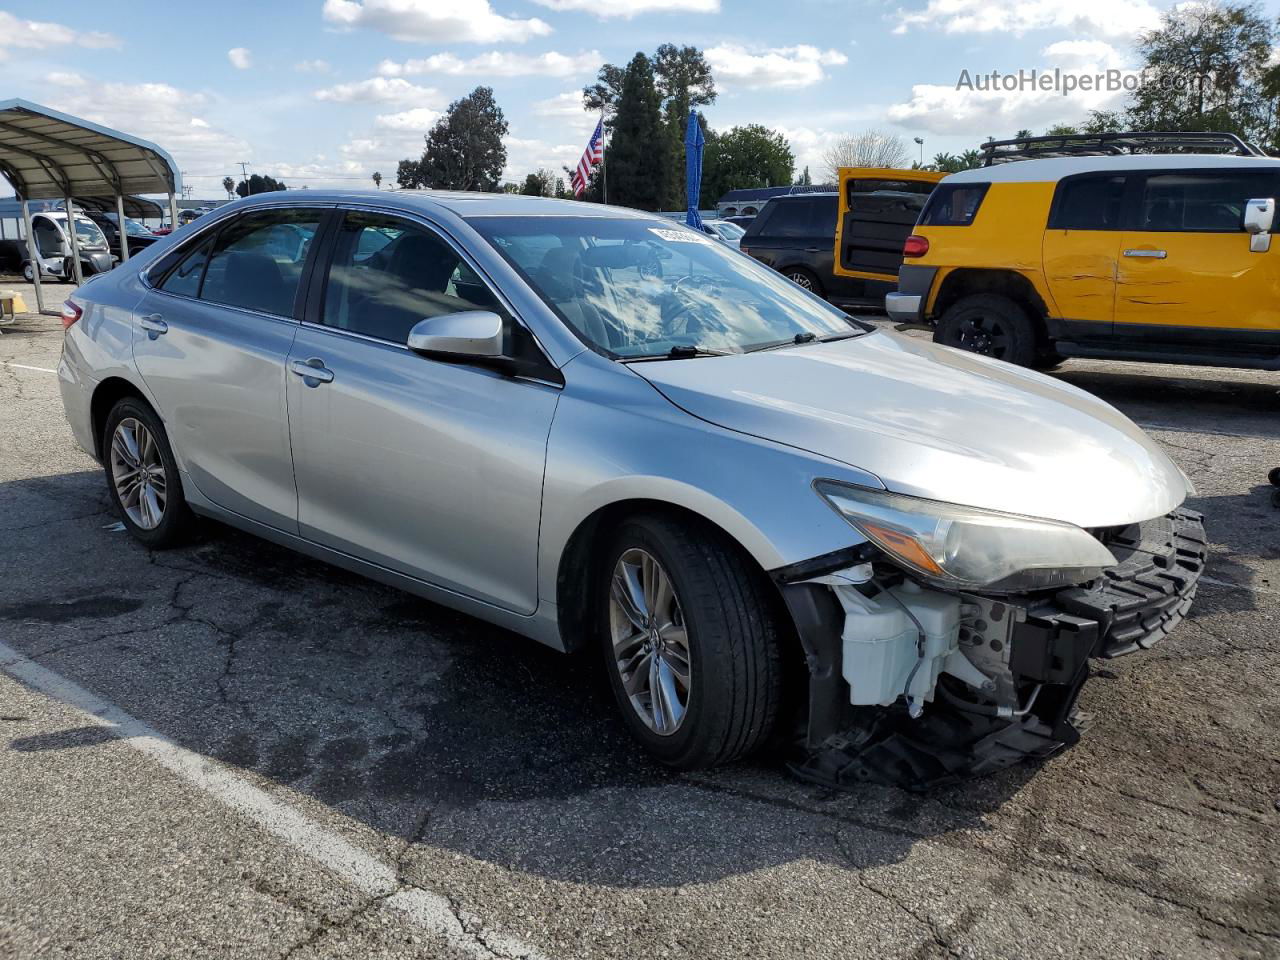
<point>1137,602</point>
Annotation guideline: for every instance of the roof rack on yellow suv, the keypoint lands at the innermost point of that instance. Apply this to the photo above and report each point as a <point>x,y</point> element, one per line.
<point>1114,144</point>
<point>1124,245</point>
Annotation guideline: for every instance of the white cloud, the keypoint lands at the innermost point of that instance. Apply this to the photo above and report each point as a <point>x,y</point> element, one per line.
<point>567,108</point>
<point>39,35</point>
<point>378,90</point>
<point>524,156</point>
<point>989,108</point>
<point>1107,18</point>
<point>433,21</point>
<point>419,119</point>
<point>497,64</point>
<point>808,145</point>
<point>631,8</point>
<point>158,112</point>
<point>791,67</point>
<point>240,58</point>
<point>312,66</point>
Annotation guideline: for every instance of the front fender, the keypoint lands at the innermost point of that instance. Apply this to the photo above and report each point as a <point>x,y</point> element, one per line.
<point>616,439</point>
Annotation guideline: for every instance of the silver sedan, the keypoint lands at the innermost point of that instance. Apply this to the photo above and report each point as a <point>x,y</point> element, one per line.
<point>773,523</point>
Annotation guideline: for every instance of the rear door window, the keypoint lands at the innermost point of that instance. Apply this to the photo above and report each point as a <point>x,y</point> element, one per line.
<point>953,205</point>
<point>184,280</point>
<point>257,260</point>
<point>1094,202</point>
<point>1201,202</point>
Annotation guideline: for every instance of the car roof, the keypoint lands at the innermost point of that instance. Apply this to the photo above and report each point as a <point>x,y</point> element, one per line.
<point>465,204</point>
<point>1053,169</point>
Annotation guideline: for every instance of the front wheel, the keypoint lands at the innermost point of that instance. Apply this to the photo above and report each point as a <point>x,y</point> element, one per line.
<point>29,272</point>
<point>990,324</point>
<point>142,476</point>
<point>691,643</point>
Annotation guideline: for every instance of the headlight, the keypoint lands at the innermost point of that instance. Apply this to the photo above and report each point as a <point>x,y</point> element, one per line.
<point>970,548</point>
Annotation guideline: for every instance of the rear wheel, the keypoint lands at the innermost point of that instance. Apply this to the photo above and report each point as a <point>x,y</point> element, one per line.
<point>804,278</point>
<point>142,476</point>
<point>990,324</point>
<point>29,272</point>
<point>691,642</point>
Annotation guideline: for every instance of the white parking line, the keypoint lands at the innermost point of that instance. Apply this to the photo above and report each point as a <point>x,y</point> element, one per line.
<point>23,366</point>
<point>347,861</point>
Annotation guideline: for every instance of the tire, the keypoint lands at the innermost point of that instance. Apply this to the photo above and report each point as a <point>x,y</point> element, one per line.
<point>731,658</point>
<point>991,325</point>
<point>1048,359</point>
<point>1273,477</point>
<point>804,278</point>
<point>132,417</point>
<point>29,272</point>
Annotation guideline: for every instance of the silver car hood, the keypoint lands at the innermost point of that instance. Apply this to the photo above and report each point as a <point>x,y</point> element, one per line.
<point>938,423</point>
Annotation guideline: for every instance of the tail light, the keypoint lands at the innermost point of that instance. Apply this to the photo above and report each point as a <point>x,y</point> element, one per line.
<point>916,246</point>
<point>71,312</point>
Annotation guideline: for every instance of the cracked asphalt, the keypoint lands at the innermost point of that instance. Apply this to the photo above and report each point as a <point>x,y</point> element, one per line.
<point>494,803</point>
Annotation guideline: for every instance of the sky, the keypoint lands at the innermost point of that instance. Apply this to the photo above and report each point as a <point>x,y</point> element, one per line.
<point>322,93</point>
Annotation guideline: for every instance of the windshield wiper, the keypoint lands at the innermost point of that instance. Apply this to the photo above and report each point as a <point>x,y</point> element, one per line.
<point>680,351</point>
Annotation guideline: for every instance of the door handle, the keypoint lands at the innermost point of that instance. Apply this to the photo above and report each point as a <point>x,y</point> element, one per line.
<point>812,249</point>
<point>154,324</point>
<point>312,371</point>
<point>1147,254</point>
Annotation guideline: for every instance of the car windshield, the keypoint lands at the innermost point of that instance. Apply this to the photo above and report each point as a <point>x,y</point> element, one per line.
<point>134,229</point>
<point>89,233</point>
<point>641,289</point>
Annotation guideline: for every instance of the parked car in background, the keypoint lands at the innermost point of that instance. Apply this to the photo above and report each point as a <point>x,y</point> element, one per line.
<point>723,231</point>
<point>137,236</point>
<point>795,234</point>
<point>606,432</point>
<point>742,222</point>
<point>1162,257</point>
<point>53,244</point>
<point>186,216</point>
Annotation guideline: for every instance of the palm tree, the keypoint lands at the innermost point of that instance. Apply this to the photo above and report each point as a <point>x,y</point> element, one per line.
<point>377,180</point>
<point>228,185</point>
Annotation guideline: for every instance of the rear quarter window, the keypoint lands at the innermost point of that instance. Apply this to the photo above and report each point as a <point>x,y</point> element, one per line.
<point>953,205</point>
<point>1092,202</point>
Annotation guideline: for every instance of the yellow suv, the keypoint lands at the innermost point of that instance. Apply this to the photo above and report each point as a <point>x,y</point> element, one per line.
<point>1155,257</point>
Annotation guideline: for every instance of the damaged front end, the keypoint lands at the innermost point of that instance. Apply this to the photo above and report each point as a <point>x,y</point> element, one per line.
<point>918,685</point>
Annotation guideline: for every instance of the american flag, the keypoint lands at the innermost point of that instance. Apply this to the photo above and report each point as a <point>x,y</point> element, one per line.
<point>590,157</point>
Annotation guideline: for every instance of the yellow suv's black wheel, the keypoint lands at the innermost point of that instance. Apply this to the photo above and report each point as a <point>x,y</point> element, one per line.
<point>989,324</point>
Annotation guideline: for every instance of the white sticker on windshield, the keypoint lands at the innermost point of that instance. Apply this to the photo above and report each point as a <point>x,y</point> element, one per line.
<point>679,236</point>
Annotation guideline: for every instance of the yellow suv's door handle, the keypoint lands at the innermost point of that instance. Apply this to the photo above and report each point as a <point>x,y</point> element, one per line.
<point>1150,254</point>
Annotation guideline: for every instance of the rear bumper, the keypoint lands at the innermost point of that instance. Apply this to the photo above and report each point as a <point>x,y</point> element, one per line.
<point>908,304</point>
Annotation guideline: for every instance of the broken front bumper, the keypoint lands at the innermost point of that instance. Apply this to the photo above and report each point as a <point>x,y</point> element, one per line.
<point>1036,649</point>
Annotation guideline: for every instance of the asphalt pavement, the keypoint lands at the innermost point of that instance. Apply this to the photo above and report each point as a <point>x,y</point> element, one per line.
<point>228,750</point>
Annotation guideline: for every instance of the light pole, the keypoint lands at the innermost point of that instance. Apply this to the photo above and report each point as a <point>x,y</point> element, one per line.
<point>920,141</point>
<point>244,169</point>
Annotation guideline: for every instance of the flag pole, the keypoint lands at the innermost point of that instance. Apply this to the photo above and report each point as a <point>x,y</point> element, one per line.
<point>604,174</point>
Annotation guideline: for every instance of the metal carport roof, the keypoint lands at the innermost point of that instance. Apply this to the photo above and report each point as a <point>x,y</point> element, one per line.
<point>46,155</point>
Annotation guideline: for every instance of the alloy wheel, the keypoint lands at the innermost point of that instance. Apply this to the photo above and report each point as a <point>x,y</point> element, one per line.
<point>650,641</point>
<point>801,280</point>
<point>137,470</point>
<point>983,335</point>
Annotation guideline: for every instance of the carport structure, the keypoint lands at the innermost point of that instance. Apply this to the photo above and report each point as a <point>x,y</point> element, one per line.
<point>48,155</point>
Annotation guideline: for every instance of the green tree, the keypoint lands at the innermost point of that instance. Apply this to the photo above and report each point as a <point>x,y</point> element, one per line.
<point>229,185</point>
<point>743,157</point>
<point>541,183</point>
<point>952,163</point>
<point>638,158</point>
<point>805,180</point>
<point>464,150</point>
<point>258,183</point>
<point>377,180</point>
<point>684,81</point>
<point>1061,130</point>
<point>1205,68</point>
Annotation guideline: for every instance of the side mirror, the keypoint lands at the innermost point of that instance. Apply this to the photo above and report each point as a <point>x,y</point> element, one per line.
<point>1259,215</point>
<point>470,335</point>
